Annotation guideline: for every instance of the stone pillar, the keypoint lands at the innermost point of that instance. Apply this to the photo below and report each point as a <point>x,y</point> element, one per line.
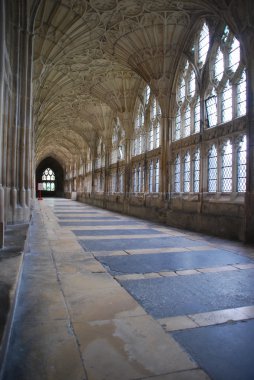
<point>23,119</point>
<point>2,69</point>
<point>29,166</point>
<point>249,198</point>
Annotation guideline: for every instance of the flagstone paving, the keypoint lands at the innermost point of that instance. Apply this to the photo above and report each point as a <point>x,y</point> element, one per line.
<point>105,296</point>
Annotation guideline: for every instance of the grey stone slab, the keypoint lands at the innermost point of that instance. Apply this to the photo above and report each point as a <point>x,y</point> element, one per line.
<point>136,231</point>
<point>181,295</point>
<point>147,263</point>
<point>43,351</point>
<point>223,351</point>
<point>84,216</point>
<point>123,244</point>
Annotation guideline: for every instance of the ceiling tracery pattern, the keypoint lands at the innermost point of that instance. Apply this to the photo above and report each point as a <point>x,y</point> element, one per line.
<point>92,56</point>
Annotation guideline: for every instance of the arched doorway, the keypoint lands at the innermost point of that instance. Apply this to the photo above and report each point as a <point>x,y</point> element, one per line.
<point>50,174</point>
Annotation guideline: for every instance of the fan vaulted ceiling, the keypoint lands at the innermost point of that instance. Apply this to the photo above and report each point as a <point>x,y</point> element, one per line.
<point>91,58</point>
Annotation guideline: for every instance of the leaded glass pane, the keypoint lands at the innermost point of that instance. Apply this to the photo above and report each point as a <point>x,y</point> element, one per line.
<point>154,109</point>
<point>211,109</point>
<point>197,116</point>
<point>187,120</point>
<point>226,106</point>
<point>177,174</point>
<point>192,83</point>
<point>157,176</point>
<point>151,177</point>
<point>234,55</point>
<point>151,138</point>
<point>212,169</point>
<point>196,171</point>
<point>157,135</point>
<point>147,94</point>
<point>203,44</point>
<point>241,96</point>
<point>139,179</point>
<point>186,173</point>
<point>134,180</point>
<point>44,186</point>
<point>219,65</point>
<point>182,90</point>
<point>241,165</point>
<point>178,125</point>
<point>226,168</point>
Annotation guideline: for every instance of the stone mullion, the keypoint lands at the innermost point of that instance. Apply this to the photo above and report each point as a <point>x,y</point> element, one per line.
<point>164,154</point>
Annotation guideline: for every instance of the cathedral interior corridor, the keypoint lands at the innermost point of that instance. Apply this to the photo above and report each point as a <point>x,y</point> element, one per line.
<point>126,189</point>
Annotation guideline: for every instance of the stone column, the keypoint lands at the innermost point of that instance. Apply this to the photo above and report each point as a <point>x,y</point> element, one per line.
<point>29,165</point>
<point>23,118</point>
<point>249,198</point>
<point>2,69</point>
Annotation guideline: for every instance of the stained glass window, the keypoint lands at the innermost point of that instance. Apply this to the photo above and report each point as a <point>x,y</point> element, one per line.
<point>186,173</point>
<point>48,180</point>
<point>177,175</point>
<point>212,169</point>
<point>241,165</point>
<point>226,168</point>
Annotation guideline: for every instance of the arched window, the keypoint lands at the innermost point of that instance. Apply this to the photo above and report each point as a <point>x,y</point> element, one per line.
<point>226,167</point>
<point>48,180</point>
<point>212,169</point>
<point>241,165</point>
<point>227,79</point>
<point>177,174</point>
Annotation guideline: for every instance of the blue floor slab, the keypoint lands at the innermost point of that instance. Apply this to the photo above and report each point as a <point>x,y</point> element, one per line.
<point>225,352</point>
<point>182,295</point>
<point>136,231</point>
<point>170,261</point>
<point>138,243</point>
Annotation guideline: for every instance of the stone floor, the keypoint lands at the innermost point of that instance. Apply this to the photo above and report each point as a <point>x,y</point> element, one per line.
<point>110,297</point>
